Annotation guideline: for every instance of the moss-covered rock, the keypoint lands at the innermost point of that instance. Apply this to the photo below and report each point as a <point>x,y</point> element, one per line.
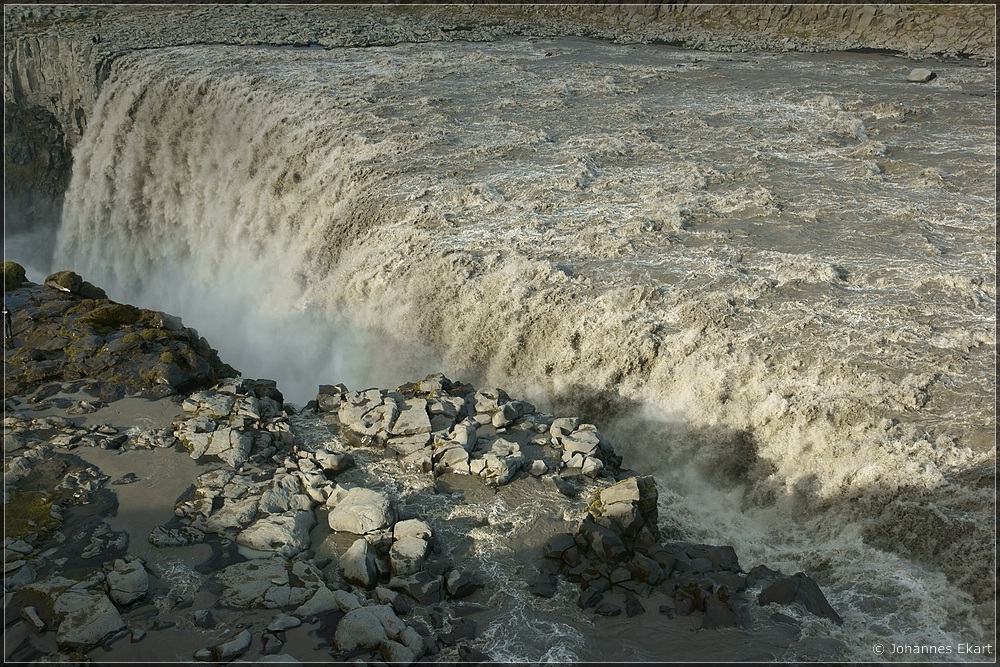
<point>28,512</point>
<point>111,316</point>
<point>125,349</point>
<point>67,281</point>
<point>13,276</point>
<point>90,291</point>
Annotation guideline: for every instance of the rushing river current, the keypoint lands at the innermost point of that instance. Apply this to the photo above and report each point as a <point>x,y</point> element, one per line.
<point>769,278</point>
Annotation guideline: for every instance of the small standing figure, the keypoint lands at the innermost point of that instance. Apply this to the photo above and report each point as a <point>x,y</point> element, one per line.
<point>8,328</point>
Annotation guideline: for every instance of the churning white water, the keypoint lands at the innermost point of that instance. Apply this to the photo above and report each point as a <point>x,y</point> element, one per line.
<point>769,277</point>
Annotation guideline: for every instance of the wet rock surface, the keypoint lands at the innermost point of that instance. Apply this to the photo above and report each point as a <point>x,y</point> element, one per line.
<point>352,520</point>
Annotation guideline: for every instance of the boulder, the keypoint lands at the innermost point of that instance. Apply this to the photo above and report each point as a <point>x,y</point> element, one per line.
<point>412,418</point>
<point>451,458</point>
<point>465,433</point>
<point>334,461</point>
<point>267,583</point>
<point>377,421</point>
<point>424,587</point>
<point>646,570</point>
<point>204,618</point>
<point>920,75</point>
<point>412,528</point>
<point>800,589</point>
<point>589,597</point>
<point>30,614</point>
<point>362,511</point>
<point>633,607</point>
<point>85,618</point>
<point>505,415</point>
<point>489,400</point>
<point>458,584</point>
<point>231,445</point>
<point>286,534</point>
<point>543,585</point>
<point>396,600</point>
<point>499,462</point>
<point>356,404</point>
<point>237,645</point>
<point>391,623</point>
<point>322,601</point>
<point>359,629</point>
<point>67,281</point>
<point>359,564</point>
<point>563,426</point>
<point>605,544</point>
<point>393,652</point>
<point>330,397</point>
<point>13,276</point>
<point>608,609</point>
<point>719,614</point>
<point>127,582</point>
<point>284,622</point>
<point>407,554</point>
<point>278,498</point>
<point>558,544</point>
<point>582,442</point>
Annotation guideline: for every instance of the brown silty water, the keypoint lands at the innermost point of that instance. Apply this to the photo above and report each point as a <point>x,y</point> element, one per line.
<point>769,277</point>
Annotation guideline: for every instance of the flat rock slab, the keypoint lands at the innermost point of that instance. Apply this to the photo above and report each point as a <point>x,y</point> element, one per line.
<point>85,618</point>
<point>268,583</point>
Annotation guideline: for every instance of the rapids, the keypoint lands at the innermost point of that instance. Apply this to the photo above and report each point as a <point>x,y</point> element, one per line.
<point>770,278</point>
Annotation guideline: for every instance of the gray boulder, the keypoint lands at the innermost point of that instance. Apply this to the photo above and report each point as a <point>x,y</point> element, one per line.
<point>424,587</point>
<point>412,528</point>
<point>286,534</point>
<point>85,618</point>
<point>127,582</point>
<point>232,445</point>
<point>322,601</point>
<point>334,461</point>
<point>267,583</point>
<point>359,564</point>
<point>451,457</point>
<point>412,419</point>
<point>278,498</point>
<point>920,75</point>
<point>407,554</point>
<point>362,511</point>
<point>359,629</point>
<point>393,652</point>
<point>237,645</point>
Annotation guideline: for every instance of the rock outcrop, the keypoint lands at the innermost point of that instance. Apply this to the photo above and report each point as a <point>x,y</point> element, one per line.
<point>67,329</point>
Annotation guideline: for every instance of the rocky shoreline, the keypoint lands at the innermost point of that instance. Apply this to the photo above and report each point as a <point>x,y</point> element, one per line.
<point>348,521</point>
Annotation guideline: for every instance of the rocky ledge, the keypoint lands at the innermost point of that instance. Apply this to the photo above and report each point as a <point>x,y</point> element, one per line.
<point>68,329</point>
<point>356,518</point>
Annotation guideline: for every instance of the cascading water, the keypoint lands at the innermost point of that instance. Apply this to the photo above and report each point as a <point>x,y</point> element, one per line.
<point>769,278</point>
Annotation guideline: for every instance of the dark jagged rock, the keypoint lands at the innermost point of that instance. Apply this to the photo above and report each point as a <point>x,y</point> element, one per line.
<point>633,607</point>
<point>608,609</point>
<point>801,589</point>
<point>719,614</point>
<point>543,585</point>
<point>589,597</point>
